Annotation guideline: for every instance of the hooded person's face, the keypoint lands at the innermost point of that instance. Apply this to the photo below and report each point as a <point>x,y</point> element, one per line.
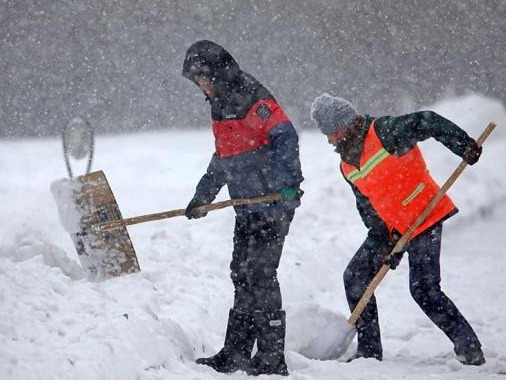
<point>206,86</point>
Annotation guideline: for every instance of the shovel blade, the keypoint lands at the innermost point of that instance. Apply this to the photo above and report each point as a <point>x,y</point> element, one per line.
<point>330,343</point>
<point>82,203</point>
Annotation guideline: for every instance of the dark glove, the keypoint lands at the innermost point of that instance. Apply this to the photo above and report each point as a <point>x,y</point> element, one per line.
<point>191,210</point>
<point>472,154</point>
<point>291,194</point>
<point>393,260</point>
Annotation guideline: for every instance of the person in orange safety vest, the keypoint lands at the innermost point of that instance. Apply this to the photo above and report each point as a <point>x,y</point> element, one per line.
<point>385,168</point>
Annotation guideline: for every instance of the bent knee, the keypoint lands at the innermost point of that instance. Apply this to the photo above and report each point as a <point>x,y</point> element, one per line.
<point>424,295</point>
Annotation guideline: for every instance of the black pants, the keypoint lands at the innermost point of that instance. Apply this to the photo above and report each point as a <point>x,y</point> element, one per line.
<point>424,281</point>
<point>258,243</point>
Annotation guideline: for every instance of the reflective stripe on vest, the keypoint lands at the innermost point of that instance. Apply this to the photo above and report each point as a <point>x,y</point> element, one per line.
<point>235,136</point>
<point>398,188</point>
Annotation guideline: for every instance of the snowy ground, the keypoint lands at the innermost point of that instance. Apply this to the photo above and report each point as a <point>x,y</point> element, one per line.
<point>55,324</point>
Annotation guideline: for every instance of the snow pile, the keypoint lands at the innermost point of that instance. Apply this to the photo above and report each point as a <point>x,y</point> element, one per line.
<point>64,191</point>
<point>55,324</point>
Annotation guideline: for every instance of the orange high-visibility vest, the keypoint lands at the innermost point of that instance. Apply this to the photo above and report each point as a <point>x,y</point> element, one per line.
<point>398,188</point>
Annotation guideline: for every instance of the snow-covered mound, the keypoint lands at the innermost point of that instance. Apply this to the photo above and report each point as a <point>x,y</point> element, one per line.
<point>55,324</point>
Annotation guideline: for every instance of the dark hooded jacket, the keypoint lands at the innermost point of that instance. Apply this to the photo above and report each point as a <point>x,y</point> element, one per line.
<point>269,166</point>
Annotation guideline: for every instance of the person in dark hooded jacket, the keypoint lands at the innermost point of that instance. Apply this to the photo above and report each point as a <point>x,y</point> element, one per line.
<point>256,153</point>
<point>382,162</point>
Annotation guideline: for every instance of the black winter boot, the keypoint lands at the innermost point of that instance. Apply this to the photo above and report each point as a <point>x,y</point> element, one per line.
<point>368,348</point>
<point>270,358</point>
<point>239,340</point>
<point>469,353</point>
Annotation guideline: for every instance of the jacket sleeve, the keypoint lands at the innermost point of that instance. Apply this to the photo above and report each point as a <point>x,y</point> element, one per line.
<point>285,144</point>
<point>400,134</point>
<point>211,182</point>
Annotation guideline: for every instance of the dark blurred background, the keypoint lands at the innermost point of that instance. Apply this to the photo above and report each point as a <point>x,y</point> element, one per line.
<point>117,63</point>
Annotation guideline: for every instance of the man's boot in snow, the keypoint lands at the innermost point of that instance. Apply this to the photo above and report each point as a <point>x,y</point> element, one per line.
<point>468,350</point>
<point>270,357</point>
<point>239,340</point>
<point>367,347</point>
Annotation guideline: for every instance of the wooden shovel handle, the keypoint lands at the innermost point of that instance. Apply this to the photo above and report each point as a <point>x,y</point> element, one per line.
<point>362,303</point>
<point>118,223</point>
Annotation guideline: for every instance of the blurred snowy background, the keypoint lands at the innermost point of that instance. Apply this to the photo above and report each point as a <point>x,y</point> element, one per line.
<point>117,64</point>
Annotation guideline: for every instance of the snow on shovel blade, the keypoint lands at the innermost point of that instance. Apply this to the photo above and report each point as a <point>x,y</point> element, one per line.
<point>330,343</point>
<point>83,202</point>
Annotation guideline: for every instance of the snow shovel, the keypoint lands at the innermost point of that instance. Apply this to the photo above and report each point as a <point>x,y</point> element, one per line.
<point>334,340</point>
<point>120,223</point>
<point>82,202</point>
<point>89,212</point>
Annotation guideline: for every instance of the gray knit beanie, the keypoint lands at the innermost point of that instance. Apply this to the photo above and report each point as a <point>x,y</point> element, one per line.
<point>331,113</point>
